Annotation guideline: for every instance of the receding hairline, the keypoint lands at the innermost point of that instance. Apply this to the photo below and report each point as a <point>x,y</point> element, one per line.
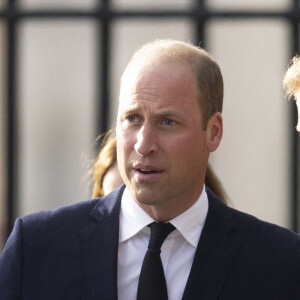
<point>165,51</point>
<point>207,72</point>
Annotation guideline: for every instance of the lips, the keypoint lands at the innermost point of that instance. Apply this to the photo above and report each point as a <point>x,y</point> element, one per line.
<point>146,169</point>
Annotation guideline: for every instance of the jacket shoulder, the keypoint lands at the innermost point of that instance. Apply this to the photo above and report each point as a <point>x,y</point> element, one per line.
<point>250,227</point>
<point>77,212</point>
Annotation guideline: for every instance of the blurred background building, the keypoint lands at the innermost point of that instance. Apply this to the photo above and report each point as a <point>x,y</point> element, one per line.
<point>60,66</point>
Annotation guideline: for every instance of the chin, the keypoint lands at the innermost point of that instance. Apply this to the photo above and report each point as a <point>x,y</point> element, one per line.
<point>145,197</point>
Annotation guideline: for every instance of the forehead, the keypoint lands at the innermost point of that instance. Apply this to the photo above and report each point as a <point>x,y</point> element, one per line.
<point>161,83</point>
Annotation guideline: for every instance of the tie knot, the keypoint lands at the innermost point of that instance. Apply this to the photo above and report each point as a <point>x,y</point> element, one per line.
<point>159,232</point>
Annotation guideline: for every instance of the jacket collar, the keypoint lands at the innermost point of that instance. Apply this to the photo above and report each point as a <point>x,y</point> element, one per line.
<point>100,248</point>
<point>215,253</point>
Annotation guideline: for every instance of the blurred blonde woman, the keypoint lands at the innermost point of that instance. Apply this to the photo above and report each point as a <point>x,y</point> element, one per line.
<point>106,176</point>
<point>291,83</point>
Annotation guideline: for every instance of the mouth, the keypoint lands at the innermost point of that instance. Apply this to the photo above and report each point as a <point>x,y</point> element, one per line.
<point>146,170</point>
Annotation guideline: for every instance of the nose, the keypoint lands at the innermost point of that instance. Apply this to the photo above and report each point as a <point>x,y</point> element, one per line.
<point>147,140</point>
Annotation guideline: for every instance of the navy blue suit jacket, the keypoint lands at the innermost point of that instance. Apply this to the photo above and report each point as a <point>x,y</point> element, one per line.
<point>71,253</point>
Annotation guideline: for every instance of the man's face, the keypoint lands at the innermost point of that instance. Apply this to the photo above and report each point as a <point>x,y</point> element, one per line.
<point>161,147</point>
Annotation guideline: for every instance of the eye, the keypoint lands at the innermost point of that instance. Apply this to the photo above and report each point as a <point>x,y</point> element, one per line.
<point>131,118</point>
<point>168,122</point>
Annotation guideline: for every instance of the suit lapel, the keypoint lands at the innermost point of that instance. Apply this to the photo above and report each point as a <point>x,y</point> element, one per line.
<point>100,241</point>
<point>214,255</point>
<point>216,250</point>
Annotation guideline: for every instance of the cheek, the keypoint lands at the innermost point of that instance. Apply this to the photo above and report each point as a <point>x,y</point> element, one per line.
<point>188,142</point>
<point>121,160</point>
<point>125,139</point>
<point>125,146</point>
<point>188,150</point>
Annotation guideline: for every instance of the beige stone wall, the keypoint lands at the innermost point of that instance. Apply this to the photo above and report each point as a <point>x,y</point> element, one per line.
<point>253,160</point>
<point>57,114</point>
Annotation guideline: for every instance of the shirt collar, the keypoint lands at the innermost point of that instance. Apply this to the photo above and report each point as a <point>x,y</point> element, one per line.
<point>190,223</point>
<point>132,217</point>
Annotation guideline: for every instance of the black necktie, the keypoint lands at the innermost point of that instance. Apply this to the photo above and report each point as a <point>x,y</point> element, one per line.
<point>152,282</point>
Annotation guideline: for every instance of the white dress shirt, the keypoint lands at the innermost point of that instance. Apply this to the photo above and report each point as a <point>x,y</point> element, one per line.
<point>177,251</point>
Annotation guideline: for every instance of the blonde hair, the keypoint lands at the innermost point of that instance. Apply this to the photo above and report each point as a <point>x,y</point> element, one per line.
<point>291,80</point>
<point>106,158</point>
<point>208,74</point>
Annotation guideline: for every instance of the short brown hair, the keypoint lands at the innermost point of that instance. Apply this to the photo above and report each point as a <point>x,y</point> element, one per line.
<point>208,74</point>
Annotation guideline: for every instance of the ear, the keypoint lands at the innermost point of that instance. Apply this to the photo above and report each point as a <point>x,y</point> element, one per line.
<point>214,131</point>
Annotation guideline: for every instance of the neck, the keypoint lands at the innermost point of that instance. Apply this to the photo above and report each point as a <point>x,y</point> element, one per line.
<point>166,212</point>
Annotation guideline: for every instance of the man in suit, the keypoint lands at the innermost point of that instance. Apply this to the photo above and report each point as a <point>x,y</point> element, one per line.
<point>169,120</point>
<point>291,83</point>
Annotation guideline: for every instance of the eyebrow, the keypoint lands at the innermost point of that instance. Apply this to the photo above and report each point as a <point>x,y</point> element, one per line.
<point>170,113</point>
<point>130,111</point>
<point>163,113</point>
